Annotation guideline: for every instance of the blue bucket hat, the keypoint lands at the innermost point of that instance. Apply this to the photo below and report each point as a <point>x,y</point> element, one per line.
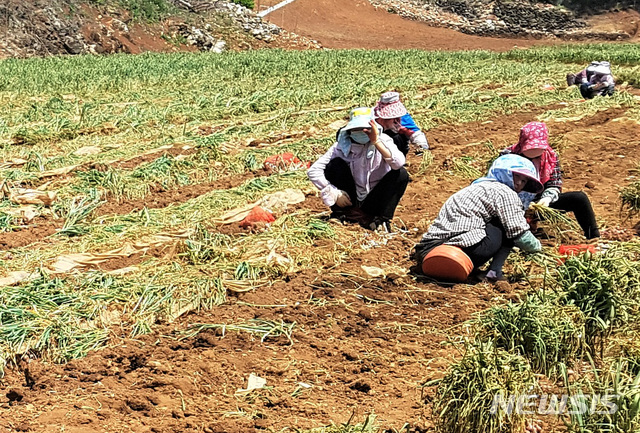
<point>504,167</point>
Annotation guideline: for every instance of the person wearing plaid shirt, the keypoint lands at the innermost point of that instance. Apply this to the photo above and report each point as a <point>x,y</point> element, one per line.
<point>486,219</point>
<point>534,145</point>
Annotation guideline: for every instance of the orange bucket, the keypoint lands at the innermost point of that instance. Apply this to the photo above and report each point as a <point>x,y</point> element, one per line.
<point>446,262</point>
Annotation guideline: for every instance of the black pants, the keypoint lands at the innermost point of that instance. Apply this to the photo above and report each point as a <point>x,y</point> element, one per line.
<point>578,203</point>
<point>422,248</point>
<point>588,93</point>
<point>382,200</point>
<point>495,245</point>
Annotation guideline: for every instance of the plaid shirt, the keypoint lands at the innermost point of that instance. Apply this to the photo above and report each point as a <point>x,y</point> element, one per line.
<point>555,180</point>
<point>464,216</point>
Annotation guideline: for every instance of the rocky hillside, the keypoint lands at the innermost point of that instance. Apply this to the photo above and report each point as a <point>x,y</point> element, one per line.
<point>597,6</point>
<point>500,18</point>
<point>54,27</point>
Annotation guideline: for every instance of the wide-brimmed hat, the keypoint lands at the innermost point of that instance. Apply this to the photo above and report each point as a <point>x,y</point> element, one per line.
<point>602,70</point>
<point>388,98</point>
<point>389,106</point>
<point>504,167</point>
<point>359,118</point>
<point>593,65</point>
<point>533,184</point>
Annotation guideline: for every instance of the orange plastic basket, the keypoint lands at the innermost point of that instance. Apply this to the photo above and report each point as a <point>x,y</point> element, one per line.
<point>446,262</point>
<point>574,250</point>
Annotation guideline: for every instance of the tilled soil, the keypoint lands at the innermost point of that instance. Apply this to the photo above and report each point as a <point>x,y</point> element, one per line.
<point>360,345</point>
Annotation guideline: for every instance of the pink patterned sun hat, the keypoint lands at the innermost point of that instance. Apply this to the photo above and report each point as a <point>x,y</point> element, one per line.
<point>391,111</point>
<point>389,106</point>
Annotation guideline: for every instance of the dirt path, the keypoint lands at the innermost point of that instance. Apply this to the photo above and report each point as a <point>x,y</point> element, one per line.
<point>358,24</point>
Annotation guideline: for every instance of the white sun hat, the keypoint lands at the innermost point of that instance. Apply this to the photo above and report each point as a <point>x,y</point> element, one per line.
<point>602,70</point>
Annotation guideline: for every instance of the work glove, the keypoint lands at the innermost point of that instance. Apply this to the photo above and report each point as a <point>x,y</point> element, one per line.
<point>343,200</point>
<point>545,201</point>
<point>528,242</point>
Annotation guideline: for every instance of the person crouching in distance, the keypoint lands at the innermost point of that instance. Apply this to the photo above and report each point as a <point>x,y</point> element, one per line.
<point>594,80</point>
<point>601,82</point>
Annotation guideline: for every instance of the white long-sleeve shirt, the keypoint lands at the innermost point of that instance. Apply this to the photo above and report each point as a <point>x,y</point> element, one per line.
<point>367,167</point>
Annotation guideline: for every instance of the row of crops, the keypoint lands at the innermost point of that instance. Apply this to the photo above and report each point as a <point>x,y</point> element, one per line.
<point>213,109</point>
<point>573,335</point>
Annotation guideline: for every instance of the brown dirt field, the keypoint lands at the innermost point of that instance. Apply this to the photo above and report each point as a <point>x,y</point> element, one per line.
<point>363,344</point>
<point>136,161</point>
<point>626,21</point>
<point>348,351</point>
<point>42,227</point>
<point>160,197</point>
<point>361,25</point>
<point>39,229</point>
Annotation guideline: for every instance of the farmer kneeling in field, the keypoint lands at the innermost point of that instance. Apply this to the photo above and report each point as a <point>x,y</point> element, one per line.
<point>594,80</point>
<point>398,124</point>
<point>533,144</point>
<point>361,177</point>
<point>583,76</point>
<point>486,219</point>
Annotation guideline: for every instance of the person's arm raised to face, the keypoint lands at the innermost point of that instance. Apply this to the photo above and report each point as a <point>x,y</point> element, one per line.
<point>372,132</point>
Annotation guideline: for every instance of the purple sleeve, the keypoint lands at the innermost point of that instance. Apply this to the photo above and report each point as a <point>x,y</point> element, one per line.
<point>316,171</point>
<point>581,77</point>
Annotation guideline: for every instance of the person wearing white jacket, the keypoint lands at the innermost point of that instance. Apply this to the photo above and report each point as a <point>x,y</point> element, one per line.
<point>600,83</point>
<point>361,177</point>
<point>398,123</point>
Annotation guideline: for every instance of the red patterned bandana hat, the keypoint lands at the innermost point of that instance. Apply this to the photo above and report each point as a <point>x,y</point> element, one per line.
<point>389,106</point>
<point>535,135</point>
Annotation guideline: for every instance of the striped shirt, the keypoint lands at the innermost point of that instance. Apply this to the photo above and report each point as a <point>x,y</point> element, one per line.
<point>464,216</point>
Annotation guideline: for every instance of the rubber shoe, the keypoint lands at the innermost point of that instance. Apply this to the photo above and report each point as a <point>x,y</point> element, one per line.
<point>493,277</point>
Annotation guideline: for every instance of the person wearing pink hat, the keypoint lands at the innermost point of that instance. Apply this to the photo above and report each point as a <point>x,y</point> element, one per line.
<point>533,144</point>
<point>361,177</point>
<point>397,123</point>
